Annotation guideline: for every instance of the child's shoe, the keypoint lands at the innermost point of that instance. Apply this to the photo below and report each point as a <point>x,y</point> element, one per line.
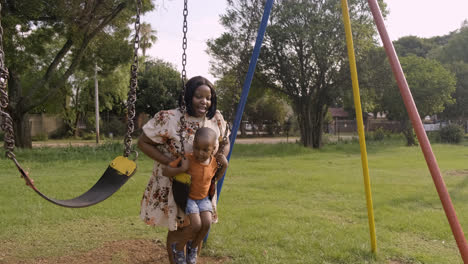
<point>191,253</point>
<point>179,256</point>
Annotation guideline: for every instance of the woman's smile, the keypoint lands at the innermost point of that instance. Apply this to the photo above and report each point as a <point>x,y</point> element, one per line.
<point>201,100</point>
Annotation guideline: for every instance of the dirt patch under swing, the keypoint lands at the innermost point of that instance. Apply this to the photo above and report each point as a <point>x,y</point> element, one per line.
<point>126,251</point>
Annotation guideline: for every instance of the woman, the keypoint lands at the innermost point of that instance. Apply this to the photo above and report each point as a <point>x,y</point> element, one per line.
<point>161,142</point>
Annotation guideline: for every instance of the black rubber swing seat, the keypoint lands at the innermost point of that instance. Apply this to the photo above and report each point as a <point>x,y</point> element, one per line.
<point>116,175</point>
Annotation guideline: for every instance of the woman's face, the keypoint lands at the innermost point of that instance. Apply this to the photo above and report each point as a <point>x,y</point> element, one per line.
<point>201,100</point>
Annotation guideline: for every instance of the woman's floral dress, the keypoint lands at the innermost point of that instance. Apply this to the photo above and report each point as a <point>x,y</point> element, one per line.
<point>158,207</point>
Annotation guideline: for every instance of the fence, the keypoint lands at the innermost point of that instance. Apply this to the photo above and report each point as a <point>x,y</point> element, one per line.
<point>43,124</point>
<point>349,126</point>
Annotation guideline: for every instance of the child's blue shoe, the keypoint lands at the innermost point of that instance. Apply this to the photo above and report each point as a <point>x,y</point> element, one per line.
<point>191,253</point>
<point>179,256</point>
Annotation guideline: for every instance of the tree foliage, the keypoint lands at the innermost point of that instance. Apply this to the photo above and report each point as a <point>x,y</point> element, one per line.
<point>263,106</point>
<point>454,56</point>
<point>431,87</point>
<point>303,52</point>
<point>375,76</point>
<point>412,45</point>
<point>159,86</point>
<point>46,42</point>
<point>458,110</point>
<point>80,108</point>
<point>148,37</point>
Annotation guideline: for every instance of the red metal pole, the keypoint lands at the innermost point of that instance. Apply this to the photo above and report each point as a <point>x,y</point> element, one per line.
<point>421,134</point>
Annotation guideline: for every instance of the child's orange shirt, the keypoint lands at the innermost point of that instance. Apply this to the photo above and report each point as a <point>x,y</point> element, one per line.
<point>201,176</point>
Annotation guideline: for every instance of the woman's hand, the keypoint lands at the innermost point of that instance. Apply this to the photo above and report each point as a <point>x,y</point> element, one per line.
<point>147,146</point>
<point>184,164</point>
<point>221,159</point>
<point>181,167</point>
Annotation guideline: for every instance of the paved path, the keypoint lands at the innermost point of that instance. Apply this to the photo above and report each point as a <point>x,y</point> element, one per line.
<point>266,140</point>
<point>261,140</point>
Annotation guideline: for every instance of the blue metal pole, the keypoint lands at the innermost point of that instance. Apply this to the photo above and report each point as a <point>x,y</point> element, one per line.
<point>246,88</point>
<point>248,81</point>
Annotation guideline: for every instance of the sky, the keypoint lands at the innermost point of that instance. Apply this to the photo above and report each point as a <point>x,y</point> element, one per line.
<point>422,18</point>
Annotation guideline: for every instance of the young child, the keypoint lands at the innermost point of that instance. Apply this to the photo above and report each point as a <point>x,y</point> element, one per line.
<point>202,167</point>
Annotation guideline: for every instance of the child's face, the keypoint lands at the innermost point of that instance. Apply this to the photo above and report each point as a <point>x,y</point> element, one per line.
<point>202,148</point>
<point>201,100</point>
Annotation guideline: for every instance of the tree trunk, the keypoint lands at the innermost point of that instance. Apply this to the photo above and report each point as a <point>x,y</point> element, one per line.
<point>408,132</point>
<point>77,122</point>
<point>21,126</point>
<point>22,129</point>
<point>317,128</point>
<point>305,123</point>
<point>243,129</point>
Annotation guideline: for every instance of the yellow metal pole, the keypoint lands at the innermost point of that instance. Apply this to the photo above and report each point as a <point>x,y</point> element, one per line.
<point>360,123</point>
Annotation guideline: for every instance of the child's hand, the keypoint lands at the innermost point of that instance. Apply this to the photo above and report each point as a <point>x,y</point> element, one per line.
<point>184,164</point>
<point>222,160</point>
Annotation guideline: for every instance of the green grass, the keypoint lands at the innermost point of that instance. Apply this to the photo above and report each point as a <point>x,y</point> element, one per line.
<point>280,204</point>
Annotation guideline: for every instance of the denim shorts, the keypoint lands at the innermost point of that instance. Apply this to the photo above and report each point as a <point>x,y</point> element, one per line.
<point>197,206</point>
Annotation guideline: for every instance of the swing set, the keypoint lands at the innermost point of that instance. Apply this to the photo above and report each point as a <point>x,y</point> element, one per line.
<point>122,168</point>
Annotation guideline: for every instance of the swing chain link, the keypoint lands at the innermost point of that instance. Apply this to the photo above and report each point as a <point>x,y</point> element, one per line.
<point>7,122</point>
<point>133,85</point>
<point>184,43</point>
<point>223,143</point>
<point>183,107</point>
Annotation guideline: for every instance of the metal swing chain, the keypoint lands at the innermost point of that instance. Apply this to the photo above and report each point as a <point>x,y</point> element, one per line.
<point>184,44</point>
<point>133,85</point>
<point>223,143</point>
<point>7,123</point>
<point>183,107</point>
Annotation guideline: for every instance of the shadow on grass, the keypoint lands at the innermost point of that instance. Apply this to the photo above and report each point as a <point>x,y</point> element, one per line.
<point>107,151</point>
<point>297,149</point>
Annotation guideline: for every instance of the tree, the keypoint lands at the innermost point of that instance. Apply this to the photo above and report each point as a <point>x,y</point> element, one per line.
<point>261,97</point>
<point>148,37</point>
<point>228,93</point>
<point>113,88</point>
<point>375,76</point>
<point>303,53</point>
<point>431,86</point>
<point>231,56</point>
<point>458,110</point>
<point>159,86</point>
<point>268,112</point>
<point>455,58</point>
<point>45,43</point>
<point>455,49</point>
<point>412,45</point>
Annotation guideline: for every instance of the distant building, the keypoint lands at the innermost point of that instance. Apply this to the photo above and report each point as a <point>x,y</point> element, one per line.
<point>338,113</point>
<point>341,121</point>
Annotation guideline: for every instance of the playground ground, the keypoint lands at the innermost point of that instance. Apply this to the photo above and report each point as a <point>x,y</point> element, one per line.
<point>281,203</point>
<point>137,251</point>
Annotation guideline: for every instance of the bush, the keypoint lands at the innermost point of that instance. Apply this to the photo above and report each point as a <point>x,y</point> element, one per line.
<point>40,137</point>
<point>379,134</point>
<point>114,126</point>
<point>62,132</point>
<point>434,136</point>
<point>89,136</point>
<point>451,134</point>
<point>92,135</point>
